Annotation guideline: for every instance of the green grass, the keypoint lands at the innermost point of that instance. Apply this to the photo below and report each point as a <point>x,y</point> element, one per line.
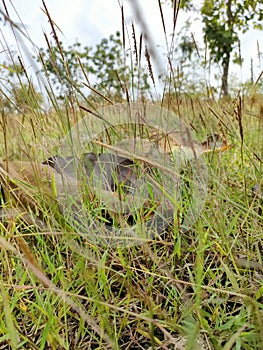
<point>61,292</point>
<point>195,289</point>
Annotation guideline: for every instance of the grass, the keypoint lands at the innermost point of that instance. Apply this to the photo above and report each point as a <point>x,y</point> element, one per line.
<point>183,289</point>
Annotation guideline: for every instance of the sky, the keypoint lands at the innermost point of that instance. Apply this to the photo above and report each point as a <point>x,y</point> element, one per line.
<point>88,21</point>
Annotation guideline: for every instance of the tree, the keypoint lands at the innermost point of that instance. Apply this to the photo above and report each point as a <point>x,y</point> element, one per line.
<point>62,66</point>
<point>224,21</point>
<point>102,68</point>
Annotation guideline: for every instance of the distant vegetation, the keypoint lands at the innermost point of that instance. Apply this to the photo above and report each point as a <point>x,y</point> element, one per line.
<point>223,22</point>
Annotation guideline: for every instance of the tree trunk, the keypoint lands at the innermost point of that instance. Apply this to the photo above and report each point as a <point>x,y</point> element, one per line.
<point>224,83</point>
<point>228,50</point>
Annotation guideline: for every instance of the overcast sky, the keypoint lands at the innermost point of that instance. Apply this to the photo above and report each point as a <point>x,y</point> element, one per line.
<point>88,21</point>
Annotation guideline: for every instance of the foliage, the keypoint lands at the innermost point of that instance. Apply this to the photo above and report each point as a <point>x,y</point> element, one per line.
<point>17,91</point>
<point>62,65</point>
<point>103,68</point>
<point>223,22</point>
